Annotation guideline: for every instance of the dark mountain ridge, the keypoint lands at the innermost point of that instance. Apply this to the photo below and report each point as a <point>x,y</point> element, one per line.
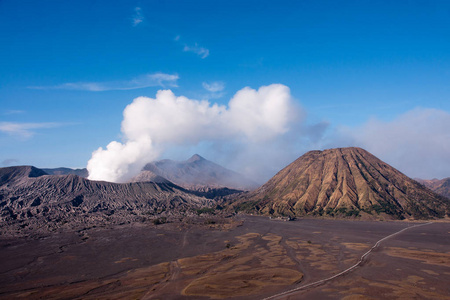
<point>13,175</point>
<point>30,197</point>
<point>66,171</point>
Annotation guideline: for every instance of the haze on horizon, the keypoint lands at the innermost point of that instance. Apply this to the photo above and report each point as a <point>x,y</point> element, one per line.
<point>251,85</point>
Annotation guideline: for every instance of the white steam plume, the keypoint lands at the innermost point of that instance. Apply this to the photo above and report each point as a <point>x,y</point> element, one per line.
<point>150,126</point>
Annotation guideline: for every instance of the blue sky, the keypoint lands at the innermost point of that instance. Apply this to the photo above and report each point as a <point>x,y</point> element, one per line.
<point>355,68</point>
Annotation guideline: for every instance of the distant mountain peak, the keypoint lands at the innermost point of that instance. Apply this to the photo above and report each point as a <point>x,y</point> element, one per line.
<point>440,186</point>
<point>195,158</point>
<point>196,172</point>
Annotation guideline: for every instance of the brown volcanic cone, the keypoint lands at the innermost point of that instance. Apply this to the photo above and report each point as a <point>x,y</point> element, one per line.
<point>344,182</point>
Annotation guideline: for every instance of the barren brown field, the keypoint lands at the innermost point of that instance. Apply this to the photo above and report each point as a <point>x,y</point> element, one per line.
<point>252,258</point>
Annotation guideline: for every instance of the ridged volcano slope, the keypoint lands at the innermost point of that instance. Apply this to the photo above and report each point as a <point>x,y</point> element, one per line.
<point>344,181</point>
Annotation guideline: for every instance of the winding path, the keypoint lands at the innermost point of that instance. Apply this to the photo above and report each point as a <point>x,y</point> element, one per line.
<point>322,281</point>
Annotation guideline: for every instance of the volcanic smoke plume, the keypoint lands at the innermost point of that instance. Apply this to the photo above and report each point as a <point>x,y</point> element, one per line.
<point>150,126</point>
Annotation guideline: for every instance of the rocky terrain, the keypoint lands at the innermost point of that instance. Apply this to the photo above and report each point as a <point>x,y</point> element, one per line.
<point>196,172</point>
<point>344,182</point>
<point>32,200</point>
<point>439,186</point>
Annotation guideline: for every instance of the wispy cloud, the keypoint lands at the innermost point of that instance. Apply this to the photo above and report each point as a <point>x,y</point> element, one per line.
<point>214,87</point>
<point>138,17</point>
<point>25,130</point>
<point>13,112</point>
<point>200,51</point>
<point>143,81</point>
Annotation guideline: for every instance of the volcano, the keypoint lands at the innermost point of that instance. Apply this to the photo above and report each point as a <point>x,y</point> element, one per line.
<point>344,182</point>
<point>31,199</point>
<point>194,173</point>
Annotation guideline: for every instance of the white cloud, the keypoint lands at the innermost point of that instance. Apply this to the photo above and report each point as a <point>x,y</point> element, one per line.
<point>214,87</point>
<point>417,142</point>
<point>138,17</point>
<point>143,81</point>
<point>254,119</point>
<point>24,130</point>
<point>200,51</point>
<point>262,114</point>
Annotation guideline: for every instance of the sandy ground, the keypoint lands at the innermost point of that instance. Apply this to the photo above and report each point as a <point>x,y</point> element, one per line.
<point>254,259</point>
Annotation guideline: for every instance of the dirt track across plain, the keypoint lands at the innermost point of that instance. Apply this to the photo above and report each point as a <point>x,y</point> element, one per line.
<point>257,259</point>
<point>294,291</point>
